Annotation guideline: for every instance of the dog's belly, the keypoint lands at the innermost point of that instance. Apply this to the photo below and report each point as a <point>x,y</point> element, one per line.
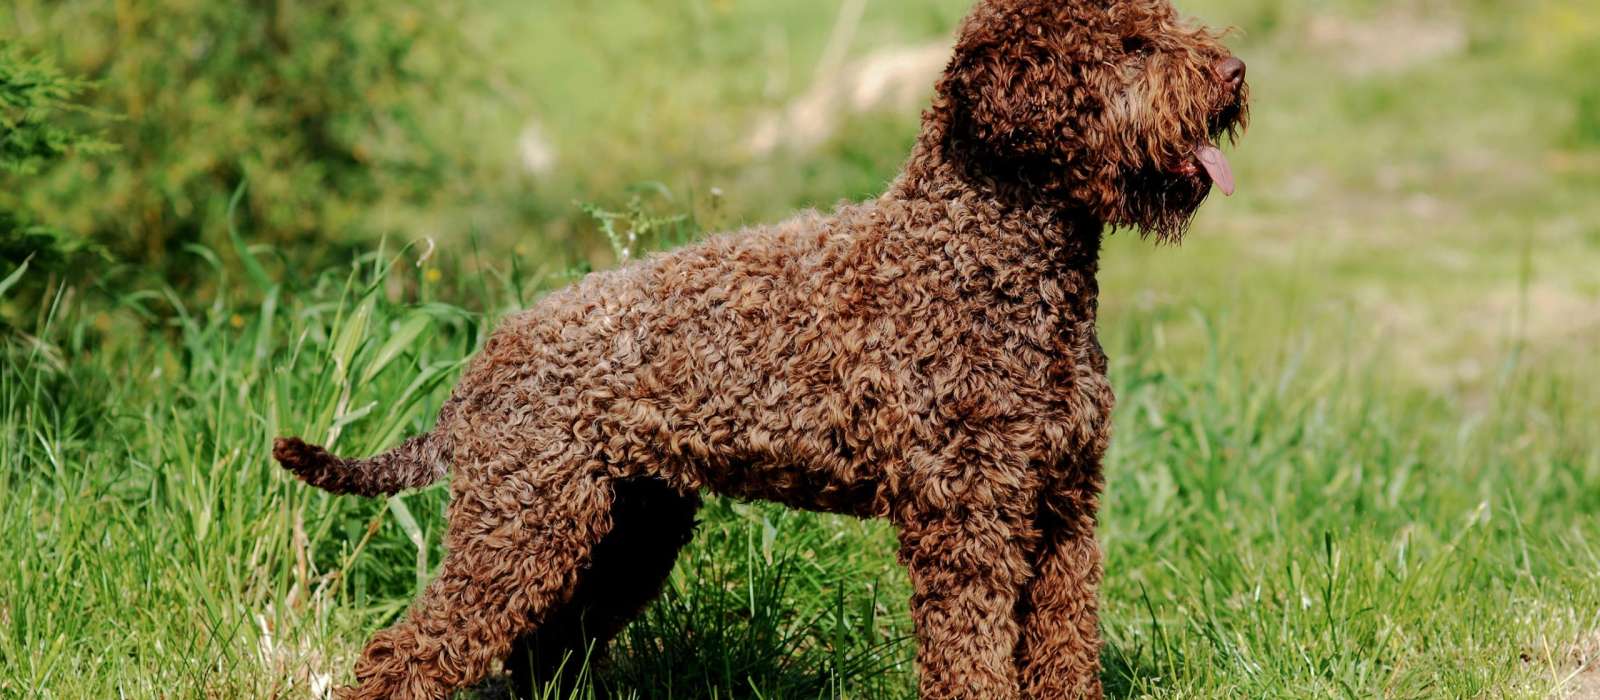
<point>796,486</point>
<point>729,450</point>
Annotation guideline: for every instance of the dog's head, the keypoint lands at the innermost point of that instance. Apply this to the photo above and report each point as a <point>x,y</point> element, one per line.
<point>1112,107</point>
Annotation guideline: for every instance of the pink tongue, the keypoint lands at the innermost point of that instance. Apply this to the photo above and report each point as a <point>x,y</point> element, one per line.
<point>1216,166</point>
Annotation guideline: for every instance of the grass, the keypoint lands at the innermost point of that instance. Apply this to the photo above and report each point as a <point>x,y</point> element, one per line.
<point>1355,447</point>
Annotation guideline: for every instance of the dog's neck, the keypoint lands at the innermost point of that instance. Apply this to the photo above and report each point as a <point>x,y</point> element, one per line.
<point>1027,252</point>
<point>1008,216</point>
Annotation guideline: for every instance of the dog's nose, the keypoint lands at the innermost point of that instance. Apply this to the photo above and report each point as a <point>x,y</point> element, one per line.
<point>1230,71</point>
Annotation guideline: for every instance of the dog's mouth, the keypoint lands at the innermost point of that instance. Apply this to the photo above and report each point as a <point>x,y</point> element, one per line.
<point>1216,167</point>
<point>1208,159</point>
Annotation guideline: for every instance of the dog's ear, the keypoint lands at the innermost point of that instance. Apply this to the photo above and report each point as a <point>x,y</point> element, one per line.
<point>1012,89</point>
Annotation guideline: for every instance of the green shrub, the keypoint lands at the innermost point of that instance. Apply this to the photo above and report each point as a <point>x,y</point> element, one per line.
<point>314,104</point>
<point>37,131</point>
<point>35,98</point>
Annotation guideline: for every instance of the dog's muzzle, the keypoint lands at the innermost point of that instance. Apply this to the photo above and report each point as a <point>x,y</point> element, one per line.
<point>1230,72</point>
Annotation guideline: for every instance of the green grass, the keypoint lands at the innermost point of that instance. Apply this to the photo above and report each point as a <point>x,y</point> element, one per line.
<point>1273,526</point>
<point>1355,451</point>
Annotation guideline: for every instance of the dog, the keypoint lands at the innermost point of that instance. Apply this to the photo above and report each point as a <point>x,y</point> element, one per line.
<point>928,356</point>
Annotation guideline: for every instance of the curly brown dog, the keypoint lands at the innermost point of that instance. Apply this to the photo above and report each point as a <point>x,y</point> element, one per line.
<point>927,357</point>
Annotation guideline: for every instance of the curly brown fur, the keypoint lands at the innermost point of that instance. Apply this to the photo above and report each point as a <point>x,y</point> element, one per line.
<point>415,463</point>
<point>927,357</point>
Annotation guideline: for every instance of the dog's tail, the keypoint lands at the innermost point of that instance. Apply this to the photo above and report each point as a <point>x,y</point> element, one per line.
<point>417,462</point>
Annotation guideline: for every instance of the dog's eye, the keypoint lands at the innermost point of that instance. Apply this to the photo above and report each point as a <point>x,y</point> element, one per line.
<point>1136,46</point>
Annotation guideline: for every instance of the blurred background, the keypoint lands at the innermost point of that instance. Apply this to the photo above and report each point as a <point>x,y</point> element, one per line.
<point>1430,163</point>
<point>225,220</point>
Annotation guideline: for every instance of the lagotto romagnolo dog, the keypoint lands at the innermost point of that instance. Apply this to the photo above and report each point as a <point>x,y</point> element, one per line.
<point>928,357</point>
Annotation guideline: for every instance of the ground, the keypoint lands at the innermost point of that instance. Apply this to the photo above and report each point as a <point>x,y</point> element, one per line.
<point>1355,450</point>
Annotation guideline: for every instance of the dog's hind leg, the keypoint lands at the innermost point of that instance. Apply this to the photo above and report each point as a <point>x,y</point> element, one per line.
<point>651,522</point>
<point>515,553</point>
<point>1060,648</point>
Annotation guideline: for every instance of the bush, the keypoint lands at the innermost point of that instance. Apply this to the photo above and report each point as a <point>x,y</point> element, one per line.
<point>314,104</point>
<point>34,99</point>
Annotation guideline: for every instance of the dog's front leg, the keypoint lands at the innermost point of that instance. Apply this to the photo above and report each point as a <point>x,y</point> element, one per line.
<point>1060,646</point>
<point>967,571</point>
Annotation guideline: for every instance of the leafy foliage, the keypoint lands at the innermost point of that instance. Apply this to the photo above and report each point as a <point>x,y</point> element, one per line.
<point>313,103</point>
<point>36,102</point>
<point>32,93</point>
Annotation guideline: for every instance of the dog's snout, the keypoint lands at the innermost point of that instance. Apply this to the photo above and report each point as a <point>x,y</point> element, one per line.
<point>1230,71</point>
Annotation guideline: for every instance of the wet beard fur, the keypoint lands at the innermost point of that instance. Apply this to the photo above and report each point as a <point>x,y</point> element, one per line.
<point>1162,205</point>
